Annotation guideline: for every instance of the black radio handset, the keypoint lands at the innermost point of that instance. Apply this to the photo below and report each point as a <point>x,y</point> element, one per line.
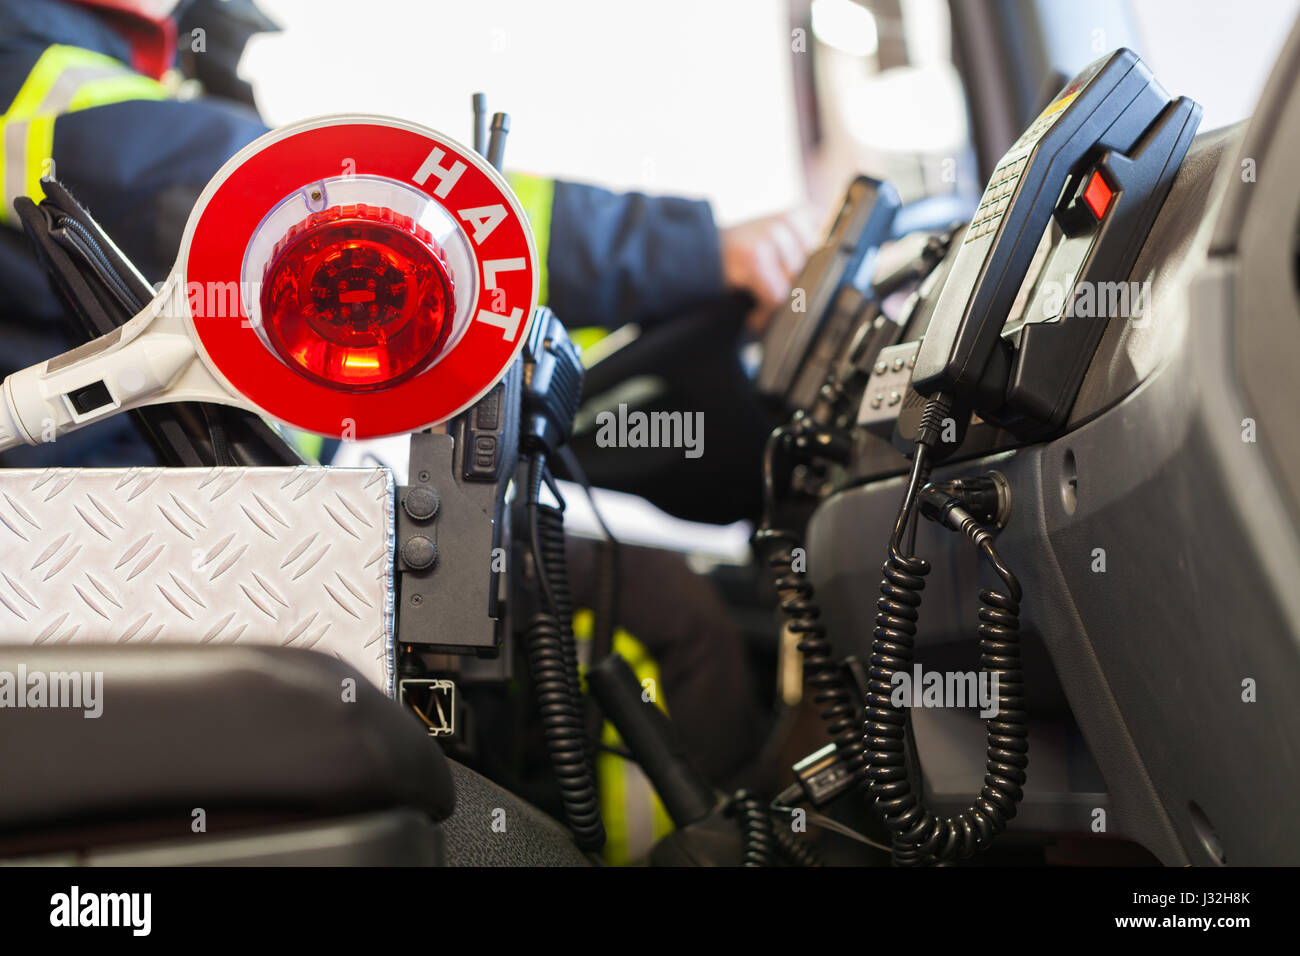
<point>1064,164</point>
<point>810,330</point>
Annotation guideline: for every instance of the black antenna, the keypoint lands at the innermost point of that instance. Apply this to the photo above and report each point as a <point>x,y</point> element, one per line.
<point>480,123</point>
<point>497,144</point>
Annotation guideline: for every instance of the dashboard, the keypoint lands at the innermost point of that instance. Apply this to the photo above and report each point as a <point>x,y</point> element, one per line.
<point>1152,526</point>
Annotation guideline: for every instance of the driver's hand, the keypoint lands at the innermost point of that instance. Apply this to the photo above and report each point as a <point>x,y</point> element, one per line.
<point>763,257</point>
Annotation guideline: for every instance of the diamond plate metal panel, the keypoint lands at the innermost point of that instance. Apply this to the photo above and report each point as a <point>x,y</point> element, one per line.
<point>296,557</point>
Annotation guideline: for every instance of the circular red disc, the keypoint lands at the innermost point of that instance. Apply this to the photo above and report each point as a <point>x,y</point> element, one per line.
<point>284,162</point>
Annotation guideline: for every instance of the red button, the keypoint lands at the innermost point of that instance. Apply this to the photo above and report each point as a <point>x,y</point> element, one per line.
<point>1097,195</point>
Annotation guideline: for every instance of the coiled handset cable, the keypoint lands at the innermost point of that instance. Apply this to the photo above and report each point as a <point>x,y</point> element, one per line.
<point>552,657</point>
<point>833,692</point>
<point>780,550</point>
<point>892,768</point>
<point>552,386</point>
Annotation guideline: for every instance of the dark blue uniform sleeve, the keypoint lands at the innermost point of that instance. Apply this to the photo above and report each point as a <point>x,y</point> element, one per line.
<point>627,257</point>
<point>139,167</point>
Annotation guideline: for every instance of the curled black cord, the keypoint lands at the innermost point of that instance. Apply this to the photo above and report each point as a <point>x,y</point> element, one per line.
<point>608,571</point>
<point>553,668</point>
<point>767,842</point>
<point>831,689</point>
<point>796,851</point>
<point>823,674</point>
<point>920,836</point>
<point>760,841</point>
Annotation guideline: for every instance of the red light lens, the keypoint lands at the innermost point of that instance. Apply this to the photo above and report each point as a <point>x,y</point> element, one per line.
<point>357,297</point>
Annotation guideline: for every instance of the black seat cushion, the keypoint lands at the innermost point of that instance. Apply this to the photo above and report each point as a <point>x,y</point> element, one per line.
<point>493,827</point>
<point>239,732</point>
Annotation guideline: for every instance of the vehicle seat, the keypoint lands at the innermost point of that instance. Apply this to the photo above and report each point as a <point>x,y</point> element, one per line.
<point>231,755</point>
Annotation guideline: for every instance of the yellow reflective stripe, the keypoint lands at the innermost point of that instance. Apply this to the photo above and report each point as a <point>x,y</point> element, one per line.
<point>587,336</point>
<point>646,668</point>
<point>643,664</point>
<point>307,443</point>
<point>536,193</point>
<point>609,784</point>
<point>662,823</point>
<point>64,79</point>
<point>638,657</point>
<point>49,66</point>
<point>635,818</point>
<point>116,89</point>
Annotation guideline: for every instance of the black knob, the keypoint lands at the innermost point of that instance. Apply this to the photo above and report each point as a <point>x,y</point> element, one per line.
<point>419,552</point>
<point>421,502</point>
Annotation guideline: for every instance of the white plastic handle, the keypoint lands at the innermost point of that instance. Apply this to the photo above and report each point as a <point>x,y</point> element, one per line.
<point>148,360</point>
